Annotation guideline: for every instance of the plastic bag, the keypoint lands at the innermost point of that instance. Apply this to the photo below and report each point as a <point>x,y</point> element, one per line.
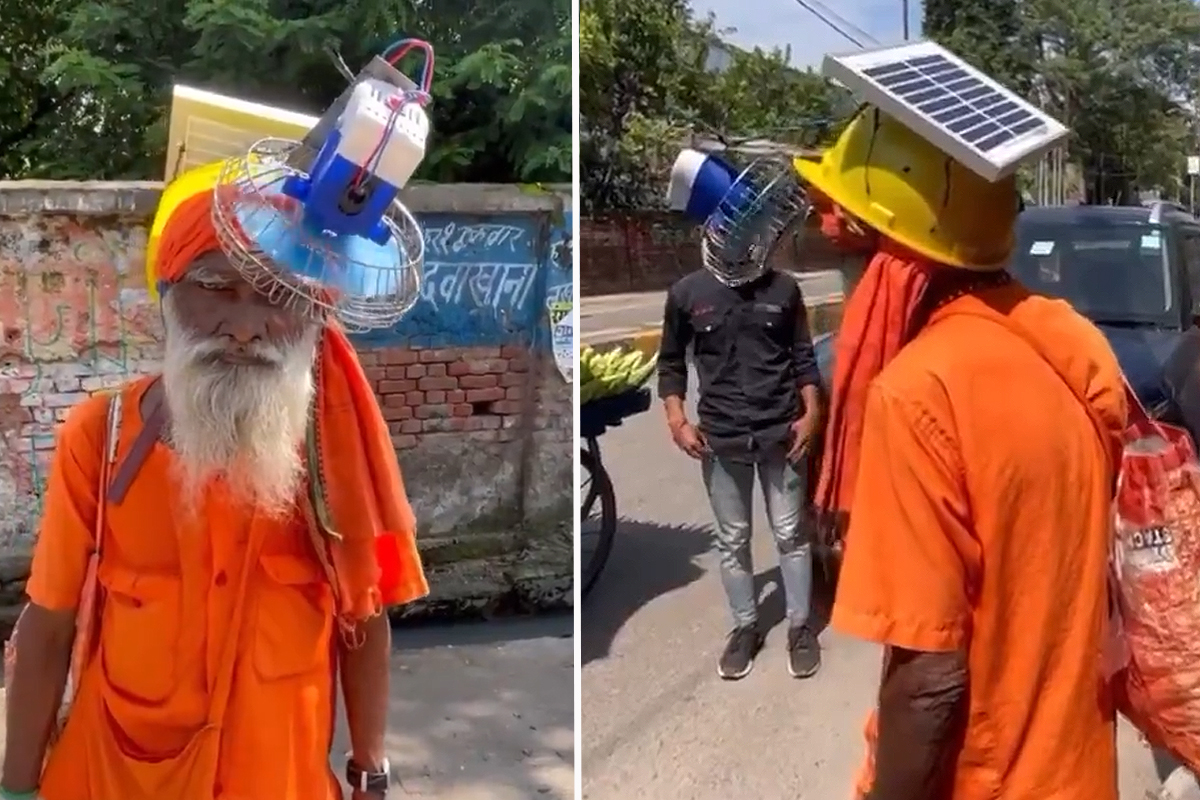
<point>1156,560</point>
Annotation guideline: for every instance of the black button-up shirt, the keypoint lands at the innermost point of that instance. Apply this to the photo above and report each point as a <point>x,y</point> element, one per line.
<point>753,351</point>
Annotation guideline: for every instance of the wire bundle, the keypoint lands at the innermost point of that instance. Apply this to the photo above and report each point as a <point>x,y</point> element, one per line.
<point>421,96</point>
<point>399,49</point>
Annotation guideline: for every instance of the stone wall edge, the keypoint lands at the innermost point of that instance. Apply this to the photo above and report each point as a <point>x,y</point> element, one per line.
<point>138,198</point>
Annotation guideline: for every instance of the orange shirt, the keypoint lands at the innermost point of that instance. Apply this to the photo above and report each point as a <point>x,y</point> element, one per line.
<point>982,522</point>
<point>214,675</point>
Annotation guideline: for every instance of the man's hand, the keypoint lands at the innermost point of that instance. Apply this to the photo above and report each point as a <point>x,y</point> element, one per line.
<point>43,643</point>
<point>688,439</point>
<point>802,431</point>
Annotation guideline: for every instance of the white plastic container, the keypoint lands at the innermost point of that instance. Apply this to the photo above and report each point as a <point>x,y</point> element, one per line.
<point>365,122</point>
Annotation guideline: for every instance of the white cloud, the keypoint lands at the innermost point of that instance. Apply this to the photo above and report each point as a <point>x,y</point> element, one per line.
<point>777,23</point>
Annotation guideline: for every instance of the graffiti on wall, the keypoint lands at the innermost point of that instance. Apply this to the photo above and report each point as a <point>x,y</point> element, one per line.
<point>481,283</point>
<point>560,298</point>
<point>76,319</point>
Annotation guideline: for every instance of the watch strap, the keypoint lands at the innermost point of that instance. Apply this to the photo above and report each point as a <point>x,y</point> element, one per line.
<point>373,782</point>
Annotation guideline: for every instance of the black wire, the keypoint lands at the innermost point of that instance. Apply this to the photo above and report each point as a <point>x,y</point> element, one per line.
<point>339,64</point>
<point>808,7</point>
<point>839,19</point>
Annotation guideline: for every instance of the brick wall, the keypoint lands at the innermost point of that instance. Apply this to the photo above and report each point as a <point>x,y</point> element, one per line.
<point>476,390</point>
<point>648,251</point>
<point>479,415</point>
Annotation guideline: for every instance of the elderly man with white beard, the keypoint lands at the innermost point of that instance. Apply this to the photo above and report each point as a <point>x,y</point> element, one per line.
<point>219,543</point>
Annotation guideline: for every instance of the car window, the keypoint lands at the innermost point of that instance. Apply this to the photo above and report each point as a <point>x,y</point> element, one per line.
<point>1189,248</point>
<point>1113,272</point>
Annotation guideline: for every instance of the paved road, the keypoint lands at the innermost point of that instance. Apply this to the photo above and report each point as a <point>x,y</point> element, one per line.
<point>615,316</point>
<point>657,722</point>
<point>480,711</point>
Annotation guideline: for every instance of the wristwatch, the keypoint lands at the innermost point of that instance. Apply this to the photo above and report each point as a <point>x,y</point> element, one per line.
<point>366,781</point>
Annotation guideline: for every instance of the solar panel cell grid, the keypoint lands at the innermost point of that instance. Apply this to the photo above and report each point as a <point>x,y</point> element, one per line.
<point>956,100</point>
<point>952,105</point>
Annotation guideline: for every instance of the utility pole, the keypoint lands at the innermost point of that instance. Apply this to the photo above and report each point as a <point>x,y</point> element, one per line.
<point>904,11</point>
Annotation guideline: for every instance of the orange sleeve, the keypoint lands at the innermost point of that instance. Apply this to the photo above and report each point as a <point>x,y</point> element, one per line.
<point>909,551</point>
<point>66,535</point>
<point>402,578</point>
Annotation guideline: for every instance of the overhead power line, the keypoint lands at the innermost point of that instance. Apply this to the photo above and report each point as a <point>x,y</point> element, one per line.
<point>808,6</point>
<point>843,22</point>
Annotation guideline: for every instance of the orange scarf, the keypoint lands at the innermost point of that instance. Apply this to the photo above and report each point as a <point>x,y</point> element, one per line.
<point>372,536</point>
<point>876,323</point>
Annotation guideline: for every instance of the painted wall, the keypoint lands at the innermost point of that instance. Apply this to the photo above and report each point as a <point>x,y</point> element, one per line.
<point>482,276</point>
<point>648,251</point>
<point>479,415</point>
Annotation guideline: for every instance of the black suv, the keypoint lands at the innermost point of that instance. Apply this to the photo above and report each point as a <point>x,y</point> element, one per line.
<point>1132,270</point>
<point>1135,273</point>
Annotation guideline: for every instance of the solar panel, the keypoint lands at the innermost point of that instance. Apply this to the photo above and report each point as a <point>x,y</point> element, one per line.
<point>950,104</point>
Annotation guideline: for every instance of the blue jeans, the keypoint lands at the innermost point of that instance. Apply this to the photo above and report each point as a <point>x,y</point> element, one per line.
<point>730,487</point>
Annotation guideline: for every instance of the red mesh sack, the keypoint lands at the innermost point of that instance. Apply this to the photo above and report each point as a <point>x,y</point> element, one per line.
<point>1156,561</point>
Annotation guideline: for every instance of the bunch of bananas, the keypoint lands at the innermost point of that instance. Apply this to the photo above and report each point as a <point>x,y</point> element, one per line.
<point>613,372</point>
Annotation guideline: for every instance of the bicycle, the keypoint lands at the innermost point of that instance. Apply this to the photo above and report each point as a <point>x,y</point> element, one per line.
<point>597,488</point>
<point>597,493</point>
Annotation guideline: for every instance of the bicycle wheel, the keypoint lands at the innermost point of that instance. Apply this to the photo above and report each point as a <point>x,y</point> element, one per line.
<point>596,531</point>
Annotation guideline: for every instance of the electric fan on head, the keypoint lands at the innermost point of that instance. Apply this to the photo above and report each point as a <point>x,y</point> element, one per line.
<point>743,212</point>
<point>333,237</point>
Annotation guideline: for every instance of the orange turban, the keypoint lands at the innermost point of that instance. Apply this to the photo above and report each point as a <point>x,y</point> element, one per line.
<point>367,531</point>
<point>877,321</point>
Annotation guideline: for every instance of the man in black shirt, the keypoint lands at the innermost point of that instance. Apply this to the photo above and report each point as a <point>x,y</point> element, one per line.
<point>758,412</point>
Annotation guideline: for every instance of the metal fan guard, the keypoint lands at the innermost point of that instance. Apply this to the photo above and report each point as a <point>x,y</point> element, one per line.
<point>738,238</point>
<point>255,181</point>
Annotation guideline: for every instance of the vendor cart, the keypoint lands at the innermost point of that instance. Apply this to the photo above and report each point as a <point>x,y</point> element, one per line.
<point>598,512</point>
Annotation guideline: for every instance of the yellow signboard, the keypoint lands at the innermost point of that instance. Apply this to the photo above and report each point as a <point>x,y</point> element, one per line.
<point>207,127</point>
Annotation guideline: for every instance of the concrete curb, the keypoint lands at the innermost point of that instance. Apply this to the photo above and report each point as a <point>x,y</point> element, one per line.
<point>824,316</point>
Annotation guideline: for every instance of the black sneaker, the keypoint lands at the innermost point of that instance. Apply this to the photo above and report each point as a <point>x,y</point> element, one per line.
<point>741,648</point>
<point>804,652</point>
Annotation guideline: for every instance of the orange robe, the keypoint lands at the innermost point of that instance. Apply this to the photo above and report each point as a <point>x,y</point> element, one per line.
<point>214,675</point>
<point>981,522</point>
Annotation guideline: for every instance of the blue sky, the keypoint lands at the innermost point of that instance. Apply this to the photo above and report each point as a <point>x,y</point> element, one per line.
<point>776,23</point>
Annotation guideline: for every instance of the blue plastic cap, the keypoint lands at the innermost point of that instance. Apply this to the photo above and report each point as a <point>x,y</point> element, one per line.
<point>699,181</point>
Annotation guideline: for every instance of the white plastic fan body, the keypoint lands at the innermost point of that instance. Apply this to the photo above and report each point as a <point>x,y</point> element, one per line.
<point>383,132</point>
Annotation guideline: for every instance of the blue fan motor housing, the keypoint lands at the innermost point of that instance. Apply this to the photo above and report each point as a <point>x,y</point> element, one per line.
<point>332,203</point>
<point>698,183</point>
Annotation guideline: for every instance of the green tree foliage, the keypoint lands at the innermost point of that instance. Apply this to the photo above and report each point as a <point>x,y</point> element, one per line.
<point>1122,75</point>
<point>645,86</point>
<point>85,86</point>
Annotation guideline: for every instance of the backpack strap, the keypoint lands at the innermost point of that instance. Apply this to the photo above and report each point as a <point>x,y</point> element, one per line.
<point>155,414</point>
<point>324,538</point>
<point>88,609</point>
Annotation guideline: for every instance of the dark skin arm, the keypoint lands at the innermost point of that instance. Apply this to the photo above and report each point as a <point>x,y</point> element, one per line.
<point>43,643</point>
<point>365,689</point>
<point>673,378</point>
<point>923,711</point>
<point>811,395</point>
<point>804,359</point>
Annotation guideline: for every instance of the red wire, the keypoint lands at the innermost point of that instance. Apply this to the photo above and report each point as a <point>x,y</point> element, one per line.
<point>428,71</point>
<point>393,60</point>
<point>399,54</point>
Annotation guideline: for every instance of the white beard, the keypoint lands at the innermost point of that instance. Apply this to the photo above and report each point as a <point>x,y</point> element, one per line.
<point>245,423</point>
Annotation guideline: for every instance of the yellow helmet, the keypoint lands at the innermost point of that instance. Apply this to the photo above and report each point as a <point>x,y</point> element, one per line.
<point>195,180</point>
<point>902,186</point>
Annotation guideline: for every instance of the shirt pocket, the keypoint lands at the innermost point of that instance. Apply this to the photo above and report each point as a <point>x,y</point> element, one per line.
<point>709,329</point>
<point>768,319</point>
<point>294,617</point>
<point>139,638</point>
